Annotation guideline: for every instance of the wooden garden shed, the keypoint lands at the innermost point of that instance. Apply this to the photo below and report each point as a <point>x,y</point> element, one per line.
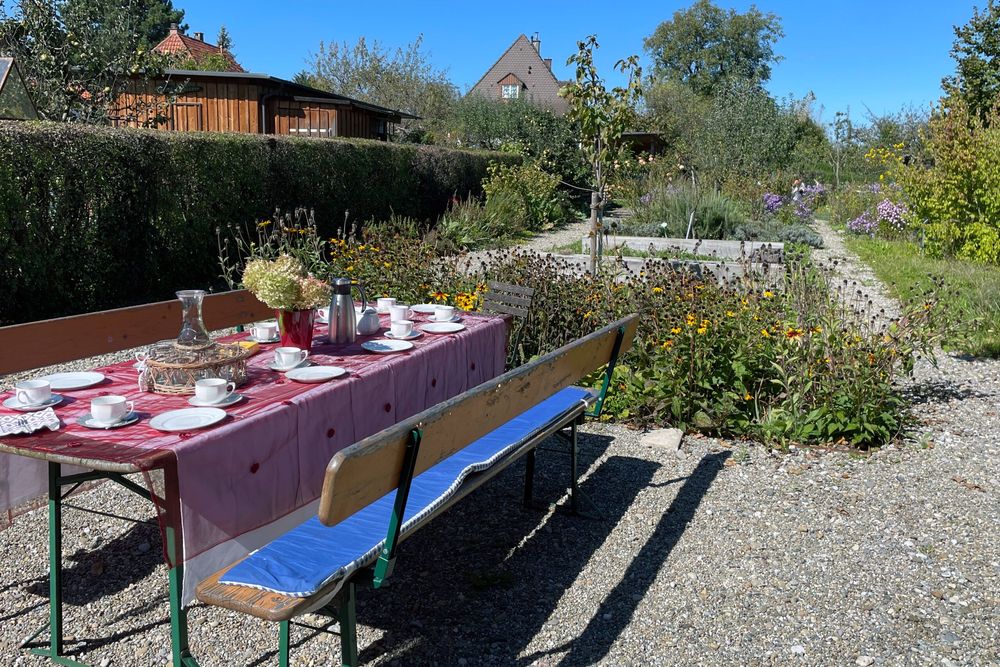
<point>199,101</point>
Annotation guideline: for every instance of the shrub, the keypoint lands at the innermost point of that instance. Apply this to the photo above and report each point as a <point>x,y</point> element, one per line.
<point>778,232</point>
<point>97,217</point>
<point>528,197</point>
<point>666,210</point>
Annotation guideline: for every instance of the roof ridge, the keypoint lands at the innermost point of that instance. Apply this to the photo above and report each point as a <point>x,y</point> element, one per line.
<point>497,61</point>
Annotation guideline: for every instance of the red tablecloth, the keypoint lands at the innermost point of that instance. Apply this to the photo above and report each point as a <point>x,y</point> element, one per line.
<point>267,459</point>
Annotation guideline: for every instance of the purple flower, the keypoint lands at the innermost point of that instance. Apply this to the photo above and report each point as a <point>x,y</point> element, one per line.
<point>803,211</point>
<point>874,188</point>
<point>863,224</point>
<point>773,202</point>
<point>646,198</point>
<point>892,214</point>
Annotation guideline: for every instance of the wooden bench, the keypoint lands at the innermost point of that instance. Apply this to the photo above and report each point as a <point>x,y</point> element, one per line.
<point>382,489</point>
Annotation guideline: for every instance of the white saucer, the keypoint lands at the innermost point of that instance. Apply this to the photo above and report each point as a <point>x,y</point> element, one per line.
<point>387,346</point>
<point>187,419</point>
<point>260,340</point>
<point>231,399</point>
<point>456,318</point>
<point>425,308</point>
<point>442,327</point>
<point>88,421</point>
<point>413,334</point>
<point>284,369</point>
<point>73,380</point>
<point>15,404</point>
<point>315,373</point>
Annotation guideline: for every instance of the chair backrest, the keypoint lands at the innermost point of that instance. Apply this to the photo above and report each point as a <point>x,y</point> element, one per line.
<point>370,468</point>
<point>508,299</point>
<point>45,342</point>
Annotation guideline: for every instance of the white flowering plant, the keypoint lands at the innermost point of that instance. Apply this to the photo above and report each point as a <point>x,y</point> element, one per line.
<point>284,284</point>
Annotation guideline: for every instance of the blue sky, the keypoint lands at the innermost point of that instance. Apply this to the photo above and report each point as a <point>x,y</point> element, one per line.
<point>879,54</point>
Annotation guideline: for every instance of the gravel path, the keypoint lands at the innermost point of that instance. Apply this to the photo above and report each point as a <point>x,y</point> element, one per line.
<point>724,554</point>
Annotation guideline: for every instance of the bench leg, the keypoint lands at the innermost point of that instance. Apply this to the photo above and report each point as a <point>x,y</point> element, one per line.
<point>574,488</point>
<point>284,643</point>
<point>348,626</point>
<point>529,477</point>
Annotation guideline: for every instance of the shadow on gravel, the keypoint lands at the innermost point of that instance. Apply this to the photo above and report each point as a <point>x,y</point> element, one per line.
<point>941,391</point>
<point>618,607</point>
<point>483,580</point>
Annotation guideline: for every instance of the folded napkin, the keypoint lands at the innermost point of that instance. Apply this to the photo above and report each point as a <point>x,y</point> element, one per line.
<point>29,422</point>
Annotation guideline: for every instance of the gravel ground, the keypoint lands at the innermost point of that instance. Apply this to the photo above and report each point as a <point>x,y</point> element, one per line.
<point>723,554</point>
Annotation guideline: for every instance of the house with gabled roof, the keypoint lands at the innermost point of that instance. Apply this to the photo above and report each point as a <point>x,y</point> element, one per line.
<point>195,48</point>
<point>522,73</point>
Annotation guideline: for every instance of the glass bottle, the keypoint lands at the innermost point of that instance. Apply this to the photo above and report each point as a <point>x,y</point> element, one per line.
<point>193,332</point>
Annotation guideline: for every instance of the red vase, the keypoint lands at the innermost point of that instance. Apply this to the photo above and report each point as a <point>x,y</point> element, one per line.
<point>296,328</point>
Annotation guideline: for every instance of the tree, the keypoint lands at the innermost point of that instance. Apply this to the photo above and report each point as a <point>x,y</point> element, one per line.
<point>77,56</point>
<point>705,45</point>
<point>602,116</point>
<point>976,52</point>
<point>517,126</point>
<point>156,16</point>
<point>403,79</point>
<point>223,40</point>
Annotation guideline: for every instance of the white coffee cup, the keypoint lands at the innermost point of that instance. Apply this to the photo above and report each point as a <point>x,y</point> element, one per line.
<point>213,390</point>
<point>288,357</point>
<point>399,312</point>
<point>385,303</point>
<point>32,392</point>
<point>444,313</point>
<point>264,330</point>
<point>401,328</point>
<point>109,409</point>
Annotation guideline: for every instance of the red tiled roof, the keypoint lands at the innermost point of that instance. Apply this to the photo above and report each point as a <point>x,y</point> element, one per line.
<point>180,44</point>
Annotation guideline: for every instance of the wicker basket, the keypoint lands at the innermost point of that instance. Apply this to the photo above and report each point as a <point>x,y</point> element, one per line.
<point>173,370</point>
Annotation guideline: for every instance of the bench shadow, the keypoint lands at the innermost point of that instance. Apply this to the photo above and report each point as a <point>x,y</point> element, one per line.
<point>931,392</point>
<point>486,577</point>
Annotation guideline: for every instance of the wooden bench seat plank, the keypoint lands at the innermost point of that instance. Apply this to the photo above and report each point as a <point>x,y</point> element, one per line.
<point>306,560</point>
<point>364,472</point>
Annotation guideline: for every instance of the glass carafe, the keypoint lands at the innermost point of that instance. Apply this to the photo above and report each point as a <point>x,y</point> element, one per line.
<point>193,332</point>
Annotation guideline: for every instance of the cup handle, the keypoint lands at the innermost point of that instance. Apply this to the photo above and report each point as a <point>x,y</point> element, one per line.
<point>230,388</point>
<point>129,408</point>
<point>305,355</point>
<point>22,396</point>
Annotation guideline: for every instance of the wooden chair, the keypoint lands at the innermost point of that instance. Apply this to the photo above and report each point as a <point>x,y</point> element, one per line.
<point>511,300</point>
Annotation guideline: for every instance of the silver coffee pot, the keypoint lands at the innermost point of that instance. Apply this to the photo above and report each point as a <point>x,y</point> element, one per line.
<point>343,320</point>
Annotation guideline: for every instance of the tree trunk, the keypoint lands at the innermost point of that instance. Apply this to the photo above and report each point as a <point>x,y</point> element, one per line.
<point>595,231</point>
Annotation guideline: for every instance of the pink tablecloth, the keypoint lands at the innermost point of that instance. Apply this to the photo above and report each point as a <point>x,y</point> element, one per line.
<point>268,458</point>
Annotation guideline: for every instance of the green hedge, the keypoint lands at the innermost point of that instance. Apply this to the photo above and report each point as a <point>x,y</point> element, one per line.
<point>96,218</point>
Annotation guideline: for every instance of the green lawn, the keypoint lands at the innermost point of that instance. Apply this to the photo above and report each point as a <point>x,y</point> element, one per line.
<point>973,300</point>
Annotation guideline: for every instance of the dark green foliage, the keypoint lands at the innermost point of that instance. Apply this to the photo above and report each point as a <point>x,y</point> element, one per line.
<point>778,232</point>
<point>977,61</point>
<point>95,217</point>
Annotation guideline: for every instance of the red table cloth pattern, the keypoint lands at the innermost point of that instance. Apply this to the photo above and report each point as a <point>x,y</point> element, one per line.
<point>267,459</point>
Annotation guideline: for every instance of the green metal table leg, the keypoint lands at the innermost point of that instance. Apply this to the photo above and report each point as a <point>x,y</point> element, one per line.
<point>284,643</point>
<point>178,614</point>
<point>348,627</point>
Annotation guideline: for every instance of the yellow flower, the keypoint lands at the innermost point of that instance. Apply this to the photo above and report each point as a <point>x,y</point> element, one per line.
<point>667,344</point>
<point>361,248</point>
<point>657,290</point>
<point>765,333</point>
<point>387,265</point>
<point>792,333</point>
<point>263,224</point>
<point>748,396</point>
<point>587,315</point>
<point>730,313</point>
<point>439,295</point>
<point>349,268</point>
<point>768,294</point>
<point>675,330</point>
<point>701,330</point>
<point>816,330</point>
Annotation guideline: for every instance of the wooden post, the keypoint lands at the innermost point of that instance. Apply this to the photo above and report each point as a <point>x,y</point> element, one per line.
<point>595,231</point>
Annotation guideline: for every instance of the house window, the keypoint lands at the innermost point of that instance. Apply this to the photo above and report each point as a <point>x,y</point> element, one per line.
<point>510,91</point>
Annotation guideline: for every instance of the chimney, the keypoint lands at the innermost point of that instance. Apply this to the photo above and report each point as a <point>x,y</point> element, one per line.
<point>200,36</point>
<point>548,63</point>
<point>536,42</point>
<point>174,28</point>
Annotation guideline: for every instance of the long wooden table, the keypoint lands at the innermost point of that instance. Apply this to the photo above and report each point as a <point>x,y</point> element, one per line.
<point>267,458</point>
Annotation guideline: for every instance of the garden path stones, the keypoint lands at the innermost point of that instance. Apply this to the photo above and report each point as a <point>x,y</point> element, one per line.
<point>667,439</point>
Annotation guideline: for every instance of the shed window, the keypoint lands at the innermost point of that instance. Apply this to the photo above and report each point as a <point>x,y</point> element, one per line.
<point>510,91</point>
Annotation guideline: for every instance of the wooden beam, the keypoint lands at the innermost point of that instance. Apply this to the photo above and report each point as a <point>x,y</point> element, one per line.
<point>46,342</point>
<point>369,469</point>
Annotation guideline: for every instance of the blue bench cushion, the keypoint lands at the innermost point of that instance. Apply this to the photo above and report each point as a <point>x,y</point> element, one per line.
<point>305,559</point>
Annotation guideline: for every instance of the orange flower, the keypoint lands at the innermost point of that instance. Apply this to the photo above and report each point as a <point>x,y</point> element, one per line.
<point>793,334</point>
